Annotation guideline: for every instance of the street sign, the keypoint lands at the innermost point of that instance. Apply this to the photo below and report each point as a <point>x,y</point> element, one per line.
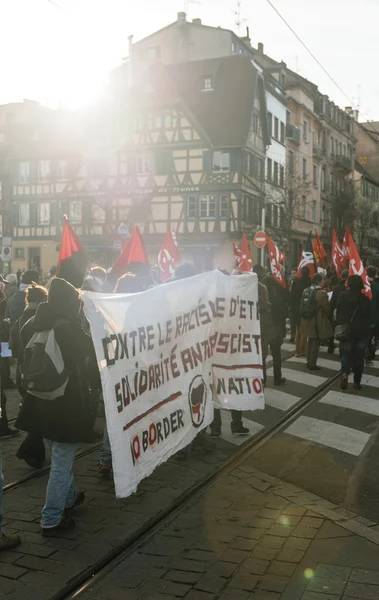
<point>260,239</point>
<point>123,231</point>
<point>6,254</point>
<point>117,244</point>
<point>362,160</point>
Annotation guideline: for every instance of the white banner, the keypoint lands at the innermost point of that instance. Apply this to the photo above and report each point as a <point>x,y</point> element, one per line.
<point>167,357</point>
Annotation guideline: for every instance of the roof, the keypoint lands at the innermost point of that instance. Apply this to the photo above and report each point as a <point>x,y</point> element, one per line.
<point>363,171</point>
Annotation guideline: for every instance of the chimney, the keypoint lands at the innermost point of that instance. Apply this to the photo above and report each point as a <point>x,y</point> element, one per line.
<point>130,62</point>
<point>260,47</point>
<point>181,18</point>
<point>196,21</point>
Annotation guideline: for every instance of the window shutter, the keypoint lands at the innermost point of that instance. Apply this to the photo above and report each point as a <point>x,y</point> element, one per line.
<point>14,214</point>
<point>34,213</point>
<point>163,162</point>
<point>207,161</point>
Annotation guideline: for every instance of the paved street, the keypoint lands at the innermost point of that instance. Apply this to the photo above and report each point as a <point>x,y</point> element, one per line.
<point>246,537</point>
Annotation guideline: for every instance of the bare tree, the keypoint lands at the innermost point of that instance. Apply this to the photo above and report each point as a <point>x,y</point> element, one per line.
<point>286,205</point>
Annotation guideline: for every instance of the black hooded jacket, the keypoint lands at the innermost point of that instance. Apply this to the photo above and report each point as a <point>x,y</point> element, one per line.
<point>69,418</point>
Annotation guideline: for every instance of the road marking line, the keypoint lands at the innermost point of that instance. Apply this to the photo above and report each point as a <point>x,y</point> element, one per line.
<point>328,434</point>
<point>278,399</point>
<point>366,405</point>
<point>333,365</point>
<point>226,434</point>
<point>300,377</point>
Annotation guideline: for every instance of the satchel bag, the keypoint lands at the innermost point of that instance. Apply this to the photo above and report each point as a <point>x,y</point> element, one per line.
<point>342,332</point>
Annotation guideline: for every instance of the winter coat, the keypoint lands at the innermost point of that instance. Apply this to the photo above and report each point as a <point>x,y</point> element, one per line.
<point>320,326</point>
<point>278,298</point>
<point>298,287</point>
<point>375,303</point>
<point>67,419</point>
<point>10,290</point>
<point>338,290</point>
<point>347,303</point>
<point>16,306</point>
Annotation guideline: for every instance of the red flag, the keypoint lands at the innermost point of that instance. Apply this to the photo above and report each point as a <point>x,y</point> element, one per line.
<point>168,257</point>
<point>72,261</point>
<point>307,258</point>
<point>245,263</point>
<point>319,251</point>
<point>336,254</point>
<point>133,252</point>
<point>346,247</point>
<point>356,268</point>
<point>275,258</point>
<point>237,256</point>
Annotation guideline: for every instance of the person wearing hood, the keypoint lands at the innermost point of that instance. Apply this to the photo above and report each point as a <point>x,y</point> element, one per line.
<point>298,287</point>
<point>68,420</point>
<point>12,288</point>
<point>95,280</point>
<point>32,449</point>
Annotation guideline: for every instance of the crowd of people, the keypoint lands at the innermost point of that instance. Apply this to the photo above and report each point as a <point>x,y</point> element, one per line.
<point>38,320</point>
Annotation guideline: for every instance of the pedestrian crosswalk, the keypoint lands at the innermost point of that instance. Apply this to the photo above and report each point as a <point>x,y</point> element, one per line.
<point>340,420</point>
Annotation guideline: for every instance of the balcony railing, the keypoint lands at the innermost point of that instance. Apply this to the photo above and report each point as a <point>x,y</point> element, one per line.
<point>343,161</point>
<point>318,151</point>
<point>293,133</point>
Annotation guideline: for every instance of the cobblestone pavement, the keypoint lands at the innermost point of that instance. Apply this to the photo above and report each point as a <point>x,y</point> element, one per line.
<point>252,537</point>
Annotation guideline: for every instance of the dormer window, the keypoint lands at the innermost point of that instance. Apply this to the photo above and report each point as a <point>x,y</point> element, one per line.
<point>208,83</point>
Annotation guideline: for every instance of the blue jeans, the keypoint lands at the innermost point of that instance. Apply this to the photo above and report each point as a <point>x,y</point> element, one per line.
<point>353,357</point>
<point>61,491</point>
<point>1,492</point>
<point>105,451</point>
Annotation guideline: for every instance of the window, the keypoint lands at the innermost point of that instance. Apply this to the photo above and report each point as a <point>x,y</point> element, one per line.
<point>75,212</point>
<point>224,206</point>
<point>304,207</point>
<point>276,173</point>
<point>207,206</point>
<point>269,169</point>
<point>282,132</point>
<point>234,47</point>
<point>19,253</point>
<point>291,161</point>
<point>281,176</point>
<point>323,178</point>
<point>44,213</point>
<point>315,176</point>
<point>276,128</point>
<point>24,172</point>
<point>191,207</point>
<point>305,169</point>
<point>221,161</point>
<point>143,164</point>
<point>98,213</point>
<point>153,52</point>
<point>305,130</point>
<point>24,214</point>
<point>314,211</point>
<point>269,123</point>
<point>207,83</point>
<point>331,146</point>
<point>62,168</point>
<point>344,150</point>
<point>43,170</point>
<point>255,123</point>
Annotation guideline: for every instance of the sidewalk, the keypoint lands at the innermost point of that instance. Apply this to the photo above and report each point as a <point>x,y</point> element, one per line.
<point>253,537</point>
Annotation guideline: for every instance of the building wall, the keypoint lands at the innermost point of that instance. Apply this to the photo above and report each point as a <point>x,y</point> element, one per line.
<point>48,254</point>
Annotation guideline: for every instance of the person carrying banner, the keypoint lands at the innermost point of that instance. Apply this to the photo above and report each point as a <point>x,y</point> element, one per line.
<point>278,302</point>
<point>62,418</point>
<point>298,287</point>
<point>353,312</point>
<point>315,316</point>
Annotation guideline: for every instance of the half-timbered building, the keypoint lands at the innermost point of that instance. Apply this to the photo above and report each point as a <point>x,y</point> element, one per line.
<point>184,150</point>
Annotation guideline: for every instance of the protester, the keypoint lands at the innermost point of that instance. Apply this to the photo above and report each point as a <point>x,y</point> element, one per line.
<point>66,420</point>
<point>277,299</point>
<point>264,316</point>
<point>51,275</point>
<point>16,304</point>
<point>32,449</point>
<point>374,335</point>
<point>316,321</point>
<point>354,310</point>
<point>12,288</point>
<point>338,290</point>
<point>95,280</point>
<point>7,542</point>
<point>292,315</point>
<point>298,287</point>
<point>127,284</point>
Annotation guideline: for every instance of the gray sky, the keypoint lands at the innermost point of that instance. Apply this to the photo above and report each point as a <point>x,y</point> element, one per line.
<point>61,56</point>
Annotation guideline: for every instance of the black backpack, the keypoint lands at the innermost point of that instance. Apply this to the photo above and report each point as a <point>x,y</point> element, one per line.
<point>308,307</point>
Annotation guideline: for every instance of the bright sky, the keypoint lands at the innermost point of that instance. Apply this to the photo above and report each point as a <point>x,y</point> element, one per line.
<point>60,56</point>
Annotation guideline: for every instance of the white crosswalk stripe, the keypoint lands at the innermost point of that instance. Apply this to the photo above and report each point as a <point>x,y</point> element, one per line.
<point>351,401</point>
<point>300,377</point>
<point>276,398</point>
<point>339,437</point>
<point>333,365</point>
